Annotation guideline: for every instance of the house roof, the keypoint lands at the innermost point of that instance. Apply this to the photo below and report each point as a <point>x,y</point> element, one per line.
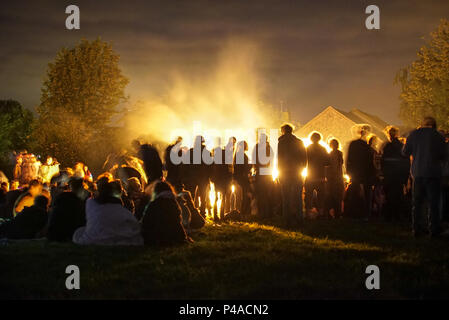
<point>332,122</point>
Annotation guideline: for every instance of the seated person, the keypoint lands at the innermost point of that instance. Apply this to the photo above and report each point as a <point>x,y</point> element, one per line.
<point>4,188</point>
<point>77,186</point>
<point>137,196</point>
<point>162,222</point>
<point>66,215</point>
<point>107,221</point>
<point>10,200</point>
<point>191,216</point>
<point>27,223</point>
<point>26,199</point>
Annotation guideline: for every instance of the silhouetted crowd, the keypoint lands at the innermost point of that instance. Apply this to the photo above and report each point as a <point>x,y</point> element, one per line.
<point>403,180</point>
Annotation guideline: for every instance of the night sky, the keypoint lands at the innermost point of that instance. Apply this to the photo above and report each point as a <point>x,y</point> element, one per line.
<point>311,54</point>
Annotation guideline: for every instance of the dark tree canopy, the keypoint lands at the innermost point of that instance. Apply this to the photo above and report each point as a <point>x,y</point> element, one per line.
<point>425,83</point>
<point>81,92</point>
<point>16,125</point>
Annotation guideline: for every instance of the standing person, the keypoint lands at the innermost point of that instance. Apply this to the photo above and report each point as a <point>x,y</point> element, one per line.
<point>426,146</point>
<point>199,172</point>
<point>375,187</point>
<point>221,174</point>
<point>360,167</point>
<point>264,185</point>
<point>292,159</point>
<point>395,168</point>
<point>317,160</point>
<point>173,170</point>
<point>152,162</point>
<point>444,207</point>
<point>335,182</point>
<point>242,170</point>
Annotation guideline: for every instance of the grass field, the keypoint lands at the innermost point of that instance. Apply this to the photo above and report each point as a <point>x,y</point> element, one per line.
<point>322,260</point>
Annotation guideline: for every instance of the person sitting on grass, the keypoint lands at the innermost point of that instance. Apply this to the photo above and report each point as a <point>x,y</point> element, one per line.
<point>139,198</point>
<point>191,216</point>
<point>107,221</point>
<point>162,222</point>
<point>4,188</point>
<point>26,199</point>
<point>27,223</point>
<point>77,186</point>
<point>66,215</point>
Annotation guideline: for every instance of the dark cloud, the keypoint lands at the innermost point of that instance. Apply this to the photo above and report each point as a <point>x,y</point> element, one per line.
<point>312,53</point>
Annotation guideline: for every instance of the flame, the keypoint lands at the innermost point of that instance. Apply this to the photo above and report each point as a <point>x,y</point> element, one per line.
<point>212,198</point>
<point>304,172</point>
<point>275,170</point>
<point>212,195</point>
<point>347,178</point>
<point>233,188</point>
<point>219,202</point>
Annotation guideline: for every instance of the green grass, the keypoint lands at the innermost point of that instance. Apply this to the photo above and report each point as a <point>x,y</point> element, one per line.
<point>322,260</point>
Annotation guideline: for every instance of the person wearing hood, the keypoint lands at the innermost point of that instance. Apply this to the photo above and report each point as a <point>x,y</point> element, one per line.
<point>162,222</point>
<point>108,222</point>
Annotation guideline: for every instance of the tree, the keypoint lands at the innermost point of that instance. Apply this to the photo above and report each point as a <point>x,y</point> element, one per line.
<point>425,83</point>
<point>15,130</point>
<point>81,92</point>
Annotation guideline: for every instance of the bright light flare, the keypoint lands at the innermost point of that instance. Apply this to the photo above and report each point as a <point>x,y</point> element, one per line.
<point>275,173</point>
<point>219,202</point>
<point>212,199</point>
<point>307,142</point>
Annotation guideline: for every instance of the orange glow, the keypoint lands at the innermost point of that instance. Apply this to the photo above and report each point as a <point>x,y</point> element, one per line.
<point>275,170</point>
<point>212,198</point>
<point>304,173</point>
<point>307,142</point>
<point>219,202</point>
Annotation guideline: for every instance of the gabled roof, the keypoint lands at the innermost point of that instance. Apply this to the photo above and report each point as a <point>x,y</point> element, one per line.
<point>337,123</point>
